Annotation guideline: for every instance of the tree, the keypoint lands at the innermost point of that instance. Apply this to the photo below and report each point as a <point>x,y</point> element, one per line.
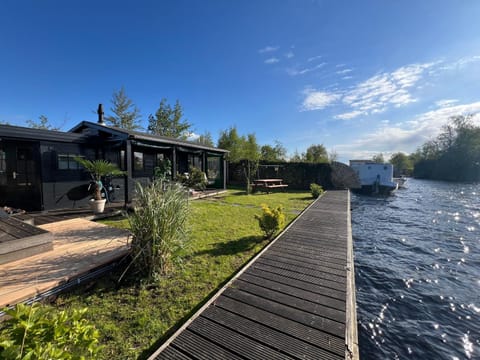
<point>332,156</point>
<point>43,123</point>
<point>273,153</point>
<point>316,154</point>
<point>168,121</point>
<point>126,115</point>
<point>402,164</point>
<point>251,156</point>
<point>297,157</point>
<point>231,141</point>
<point>453,155</point>
<point>378,158</point>
<point>205,139</point>
<point>243,149</point>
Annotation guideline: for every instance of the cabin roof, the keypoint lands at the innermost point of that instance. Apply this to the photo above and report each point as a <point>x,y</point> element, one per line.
<point>20,132</point>
<point>136,135</point>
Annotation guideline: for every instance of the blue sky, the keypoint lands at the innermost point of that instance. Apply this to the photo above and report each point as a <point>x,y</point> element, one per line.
<point>360,77</point>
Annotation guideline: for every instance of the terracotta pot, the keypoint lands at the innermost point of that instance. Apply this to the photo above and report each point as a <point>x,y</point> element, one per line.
<point>98,206</point>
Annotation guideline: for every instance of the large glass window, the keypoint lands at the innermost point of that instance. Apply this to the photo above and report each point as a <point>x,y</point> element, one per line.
<point>122,160</point>
<point>195,161</point>
<point>138,161</point>
<point>67,162</point>
<point>3,161</point>
<point>214,167</point>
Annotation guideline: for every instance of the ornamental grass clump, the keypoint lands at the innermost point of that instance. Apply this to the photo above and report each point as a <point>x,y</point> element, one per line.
<point>316,190</point>
<point>271,220</point>
<point>40,332</point>
<point>159,227</point>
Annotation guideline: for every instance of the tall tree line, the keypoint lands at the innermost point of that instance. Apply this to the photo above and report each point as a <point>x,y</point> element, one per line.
<point>454,155</point>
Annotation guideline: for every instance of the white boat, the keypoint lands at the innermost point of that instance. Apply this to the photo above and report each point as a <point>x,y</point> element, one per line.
<point>400,181</point>
<point>375,178</point>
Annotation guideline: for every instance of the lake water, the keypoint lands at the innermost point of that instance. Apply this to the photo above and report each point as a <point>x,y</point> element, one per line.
<point>417,259</point>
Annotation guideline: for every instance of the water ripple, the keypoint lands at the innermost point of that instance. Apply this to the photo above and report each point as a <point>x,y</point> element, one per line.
<point>417,258</point>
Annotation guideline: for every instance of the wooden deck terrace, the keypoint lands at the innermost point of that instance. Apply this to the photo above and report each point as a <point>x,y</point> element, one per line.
<point>79,246</point>
<point>295,300</point>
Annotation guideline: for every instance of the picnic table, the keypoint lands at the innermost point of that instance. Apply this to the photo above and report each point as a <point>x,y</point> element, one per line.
<point>268,184</point>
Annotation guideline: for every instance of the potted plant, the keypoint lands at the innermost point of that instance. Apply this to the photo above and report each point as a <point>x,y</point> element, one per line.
<point>97,169</point>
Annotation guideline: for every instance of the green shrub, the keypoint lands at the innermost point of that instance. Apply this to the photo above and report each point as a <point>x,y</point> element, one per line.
<point>39,332</point>
<point>316,190</point>
<point>159,227</point>
<point>271,220</point>
<point>163,171</point>
<point>195,179</point>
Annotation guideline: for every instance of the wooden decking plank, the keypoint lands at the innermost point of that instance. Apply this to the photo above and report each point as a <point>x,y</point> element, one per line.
<point>300,284</point>
<point>285,258</point>
<point>171,353</point>
<point>334,247</point>
<point>336,291</point>
<point>18,229</point>
<point>328,312</point>
<point>234,341</point>
<point>302,293</point>
<point>336,282</point>
<point>303,332</point>
<point>312,246</point>
<point>334,268</point>
<point>200,348</point>
<point>268,336</point>
<point>308,256</point>
<point>315,321</point>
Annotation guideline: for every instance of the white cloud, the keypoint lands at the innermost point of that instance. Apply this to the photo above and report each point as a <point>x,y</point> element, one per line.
<point>349,115</point>
<point>347,77</point>
<point>344,71</point>
<point>446,102</point>
<point>289,55</point>
<point>313,58</point>
<point>380,91</point>
<point>268,49</point>
<point>408,136</point>
<point>271,60</point>
<point>316,100</point>
<point>295,72</point>
<point>192,136</point>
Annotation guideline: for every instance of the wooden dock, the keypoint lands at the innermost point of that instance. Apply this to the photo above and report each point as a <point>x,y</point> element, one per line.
<point>295,300</point>
<point>79,246</point>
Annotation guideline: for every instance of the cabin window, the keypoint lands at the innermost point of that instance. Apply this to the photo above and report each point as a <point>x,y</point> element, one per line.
<point>214,167</point>
<point>384,168</point>
<point>195,161</point>
<point>67,162</point>
<point>138,161</point>
<point>3,161</point>
<point>159,159</point>
<point>122,160</point>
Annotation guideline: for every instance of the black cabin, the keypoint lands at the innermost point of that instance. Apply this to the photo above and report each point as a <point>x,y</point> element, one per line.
<point>38,170</point>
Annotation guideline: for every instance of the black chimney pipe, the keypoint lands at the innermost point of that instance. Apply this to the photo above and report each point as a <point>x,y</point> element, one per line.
<point>100,114</point>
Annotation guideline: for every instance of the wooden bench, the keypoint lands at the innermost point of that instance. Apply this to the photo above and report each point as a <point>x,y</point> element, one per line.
<point>268,184</point>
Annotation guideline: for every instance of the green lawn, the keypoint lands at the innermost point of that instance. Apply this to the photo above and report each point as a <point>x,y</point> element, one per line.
<point>132,317</point>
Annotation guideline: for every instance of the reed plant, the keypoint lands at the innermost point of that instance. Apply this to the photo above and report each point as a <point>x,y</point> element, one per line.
<point>159,225</point>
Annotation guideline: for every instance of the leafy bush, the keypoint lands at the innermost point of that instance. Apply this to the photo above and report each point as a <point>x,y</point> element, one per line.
<point>316,190</point>
<point>195,179</point>
<point>37,332</point>
<point>163,171</point>
<point>271,220</point>
<point>159,227</point>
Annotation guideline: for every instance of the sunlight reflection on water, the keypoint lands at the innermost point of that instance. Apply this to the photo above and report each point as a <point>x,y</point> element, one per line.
<point>417,258</point>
